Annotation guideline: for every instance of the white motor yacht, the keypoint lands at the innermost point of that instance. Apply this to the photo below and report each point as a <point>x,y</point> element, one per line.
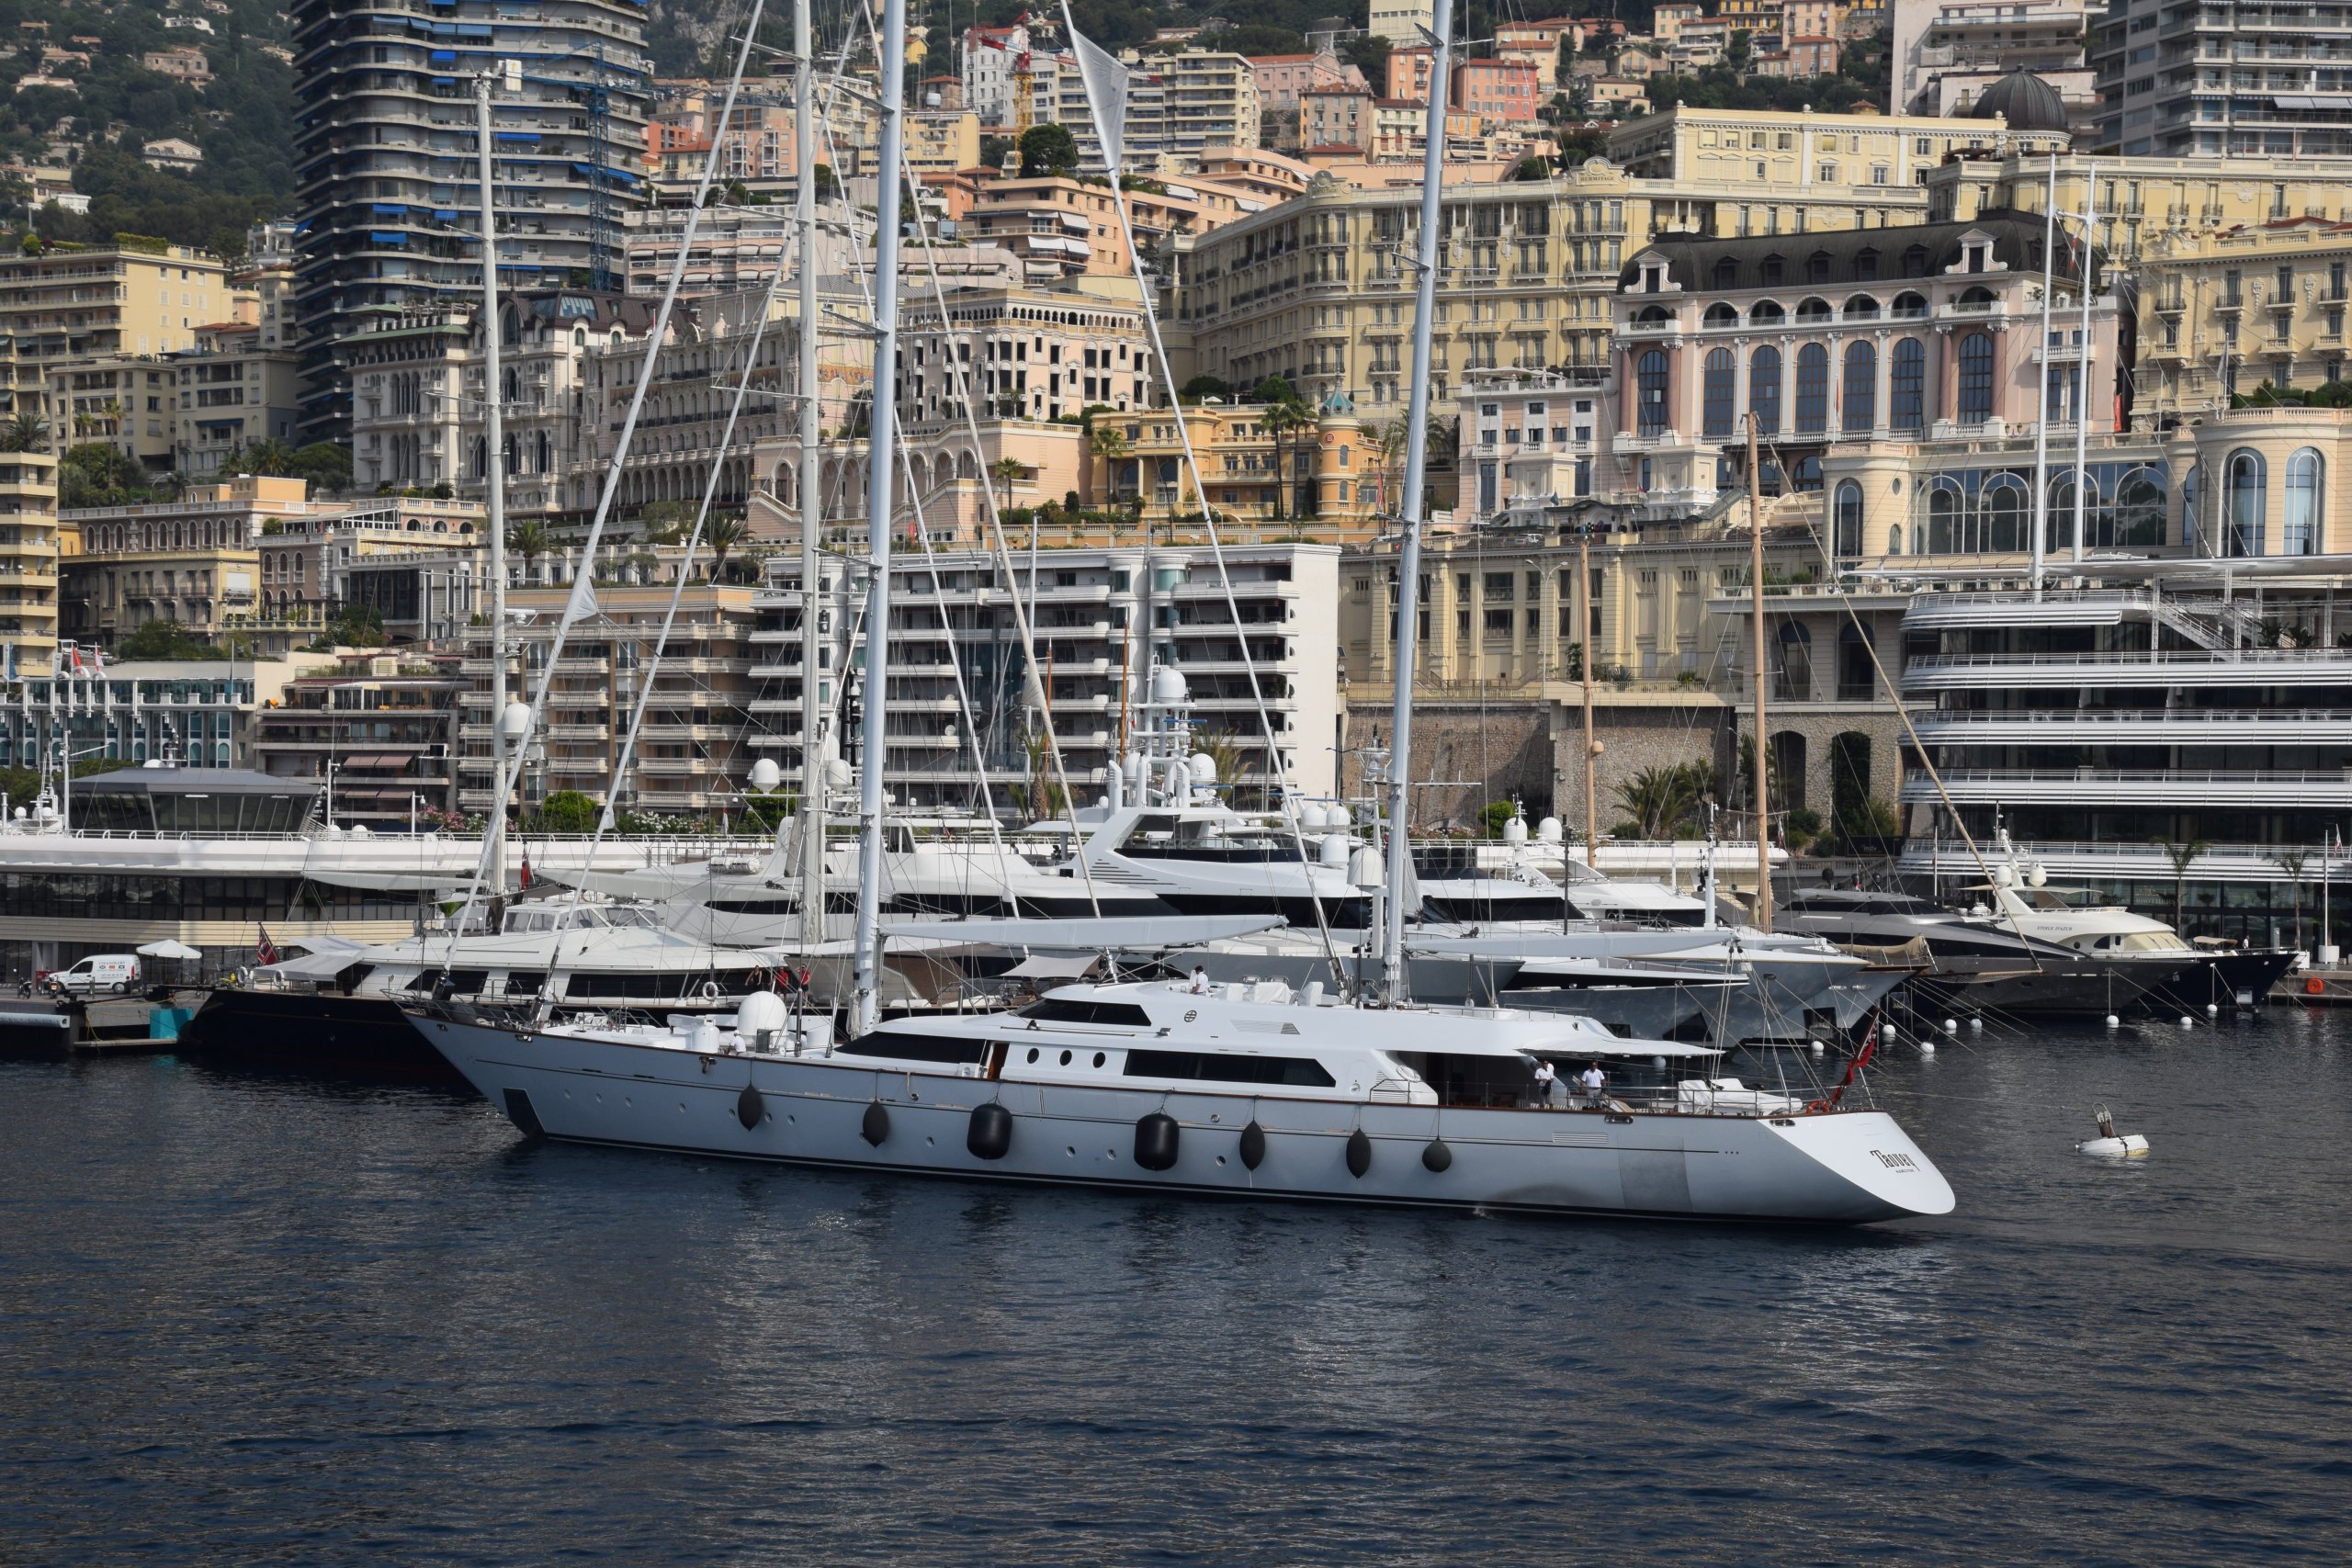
<point>1256,1090</point>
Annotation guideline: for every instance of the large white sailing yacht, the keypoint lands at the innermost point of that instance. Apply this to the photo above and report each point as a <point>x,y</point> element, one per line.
<point>1177,1085</point>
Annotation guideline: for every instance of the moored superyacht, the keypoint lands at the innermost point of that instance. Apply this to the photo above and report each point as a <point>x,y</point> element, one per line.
<point>1238,1091</point>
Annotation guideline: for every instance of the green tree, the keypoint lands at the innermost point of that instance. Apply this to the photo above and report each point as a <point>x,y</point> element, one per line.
<point>1531,168</point>
<point>566,811</point>
<point>163,639</point>
<point>723,533</point>
<point>1048,149</point>
<point>1108,442</point>
<point>325,464</point>
<point>1662,800</point>
<point>1740,52</point>
<point>1008,472</point>
<point>2182,857</point>
<point>829,185</point>
<point>2293,863</point>
<point>270,456</point>
<point>1200,387</point>
<point>531,539</point>
<point>993,149</point>
<point>24,433</point>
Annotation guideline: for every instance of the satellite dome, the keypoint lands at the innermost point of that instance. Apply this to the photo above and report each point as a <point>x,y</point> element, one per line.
<point>2025,101</point>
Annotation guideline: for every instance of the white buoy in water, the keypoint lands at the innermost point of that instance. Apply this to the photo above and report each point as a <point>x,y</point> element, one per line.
<point>1819,1047</point>
<point>2112,1021</point>
<point>1887,1033</point>
<point>2212,1010</point>
<point>1974,1023</point>
<point>1927,1046</point>
<point>2186,1021</point>
<point>2112,1145</point>
<point>1952,1026</point>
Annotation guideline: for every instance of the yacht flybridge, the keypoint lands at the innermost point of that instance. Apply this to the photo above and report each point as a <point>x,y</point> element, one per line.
<point>1242,1090</point>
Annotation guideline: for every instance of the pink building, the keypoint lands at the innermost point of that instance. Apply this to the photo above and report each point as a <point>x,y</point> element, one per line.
<point>1504,90</point>
<point>1927,333</point>
<point>1409,74</point>
<point>1281,78</point>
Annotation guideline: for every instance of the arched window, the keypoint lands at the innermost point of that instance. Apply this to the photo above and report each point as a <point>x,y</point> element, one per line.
<point>1861,405</point>
<point>1720,419</point>
<point>1909,305</point>
<point>1947,512</point>
<point>2007,509</point>
<point>2140,511</point>
<point>1804,474</point>
<point>1722,315</point>
<point>2192,523</point>
<point>2300,536</point>
<point>1812,390</point>
<point>1907,386</point>
<point>1649,375</point>
<point>1846,521</point>
<point>1765,311</point>
<point>1654,316</point>
<point>1796,662</point>
<point>2058,537</point>
<point>1764,389</point>
<point>1895,540</point>
<point>1813,310</point>
<point>2247,479</point>
<point>1861,308</point>
<point>1975,378</point>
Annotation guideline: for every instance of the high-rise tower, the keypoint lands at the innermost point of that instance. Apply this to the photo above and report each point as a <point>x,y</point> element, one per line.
<point>386,175</point>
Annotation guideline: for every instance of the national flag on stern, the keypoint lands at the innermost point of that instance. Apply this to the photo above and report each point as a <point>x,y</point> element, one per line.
<point>267,952</point>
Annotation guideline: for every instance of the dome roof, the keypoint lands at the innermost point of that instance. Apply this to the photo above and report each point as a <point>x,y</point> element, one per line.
<point>2025,101</point>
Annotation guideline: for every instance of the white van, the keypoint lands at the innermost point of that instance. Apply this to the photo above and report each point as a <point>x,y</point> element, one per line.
<point>99,972</point>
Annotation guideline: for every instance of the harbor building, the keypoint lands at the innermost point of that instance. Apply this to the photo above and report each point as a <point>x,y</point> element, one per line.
<point>386,164</point>
<point>378,734</point>
<point>199,712</point>
<point>1089,612</point>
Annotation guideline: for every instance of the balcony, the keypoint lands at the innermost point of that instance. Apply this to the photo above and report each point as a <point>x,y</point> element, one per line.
<point>2138,726</point>
<point>2243,667</point>
<point>2094,786</point>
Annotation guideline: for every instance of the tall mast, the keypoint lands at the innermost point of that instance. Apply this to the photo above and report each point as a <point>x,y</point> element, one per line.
<point>1591,746</point>
<point>1409,558</point>
<point>1756,597</point>
<point>2042,414</point>
<point>811,485</point>
<point>882,461</point>
<point>493,467</point>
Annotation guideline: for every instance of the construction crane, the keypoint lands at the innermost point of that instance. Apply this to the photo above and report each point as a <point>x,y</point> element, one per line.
<point>1015,42</point>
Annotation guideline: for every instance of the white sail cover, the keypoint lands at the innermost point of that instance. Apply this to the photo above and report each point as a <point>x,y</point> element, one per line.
<point>1106,92</point>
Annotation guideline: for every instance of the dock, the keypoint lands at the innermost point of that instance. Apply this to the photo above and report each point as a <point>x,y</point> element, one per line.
<point>2316,987</point>
<point>96,1026</point>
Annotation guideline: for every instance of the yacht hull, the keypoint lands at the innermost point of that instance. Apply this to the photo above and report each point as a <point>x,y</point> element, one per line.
<point>341,1036</point>
<point>1841,1168</point>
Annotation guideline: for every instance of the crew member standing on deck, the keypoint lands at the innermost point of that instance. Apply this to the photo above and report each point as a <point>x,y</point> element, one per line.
<point>1545,1080</point>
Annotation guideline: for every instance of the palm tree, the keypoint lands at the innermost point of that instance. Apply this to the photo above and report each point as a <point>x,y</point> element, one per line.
<point>2292,863</point>
<point>1007,471</point>
<point>722,534</point>
<point>2182,857</point>
<point>271,457</point>
<point>531,539</point>
<point>1108,442</point>
<point>24,433</point>
<point>1279,420</point>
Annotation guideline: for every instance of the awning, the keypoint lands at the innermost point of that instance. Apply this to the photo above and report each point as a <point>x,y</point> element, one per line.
<point>381,237</point>
<point>372,761</point>
<point>167,948</point>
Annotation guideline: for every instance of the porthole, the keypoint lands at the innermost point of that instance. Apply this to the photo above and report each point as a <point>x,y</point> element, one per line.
<point>1099,1058</point>
<point>1033,1053</point>
<point>1073,1151</point>
<point>1220,1159</point>
<point>929,1142</point>
<point>1066,1059</point>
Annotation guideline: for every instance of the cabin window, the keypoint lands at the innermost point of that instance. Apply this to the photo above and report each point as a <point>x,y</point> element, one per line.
<point>945,1049</point>
<point>1209,1067</point>
<point>1079,1010</point>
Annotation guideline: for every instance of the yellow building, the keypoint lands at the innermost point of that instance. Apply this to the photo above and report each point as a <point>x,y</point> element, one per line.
<point>195,561</point>
<point>942,140</point>
<point>1322,478</point>
<point>121,301</point>
<point>1319,290</point>
<point>1774,153</point>
<point>28,555</point>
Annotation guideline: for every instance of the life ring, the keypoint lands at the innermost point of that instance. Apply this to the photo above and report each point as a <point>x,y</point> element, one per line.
<point>709,990</point>
<point>2314,985</point>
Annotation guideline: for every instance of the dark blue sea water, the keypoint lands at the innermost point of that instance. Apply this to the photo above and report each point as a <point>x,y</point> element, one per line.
<point>250,1320</point>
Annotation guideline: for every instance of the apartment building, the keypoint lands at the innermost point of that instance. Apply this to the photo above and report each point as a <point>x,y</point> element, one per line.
<point>2241,308</point>
<point>234,390</point>
<point>386,164</point>
<point>1337,116</point>
<point>1281,78</point>
<point>28,559</point>
<point>1948,53</point>
<point>691,757</point>
<point>2221,77</point>
<point>1062,227</point>
<point>1325,478</point>
<point>1501,91</point>
<point>124,400</point>
<point>378,734</point>
<point>89,304</point>
<point>951,618</point>
<point>307,561</point>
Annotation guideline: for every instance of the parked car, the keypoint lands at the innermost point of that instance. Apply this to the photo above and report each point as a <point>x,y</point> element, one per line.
<point>115,972</point>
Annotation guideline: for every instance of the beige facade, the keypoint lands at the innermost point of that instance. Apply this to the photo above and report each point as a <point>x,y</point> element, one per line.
<point>29,557</point>
<point>1773,154</point>
<point>89,303</point>
<point>1319,290</point>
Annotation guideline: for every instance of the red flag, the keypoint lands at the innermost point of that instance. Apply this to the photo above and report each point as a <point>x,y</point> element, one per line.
<point>526,868</point>
<point>267,952</point>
